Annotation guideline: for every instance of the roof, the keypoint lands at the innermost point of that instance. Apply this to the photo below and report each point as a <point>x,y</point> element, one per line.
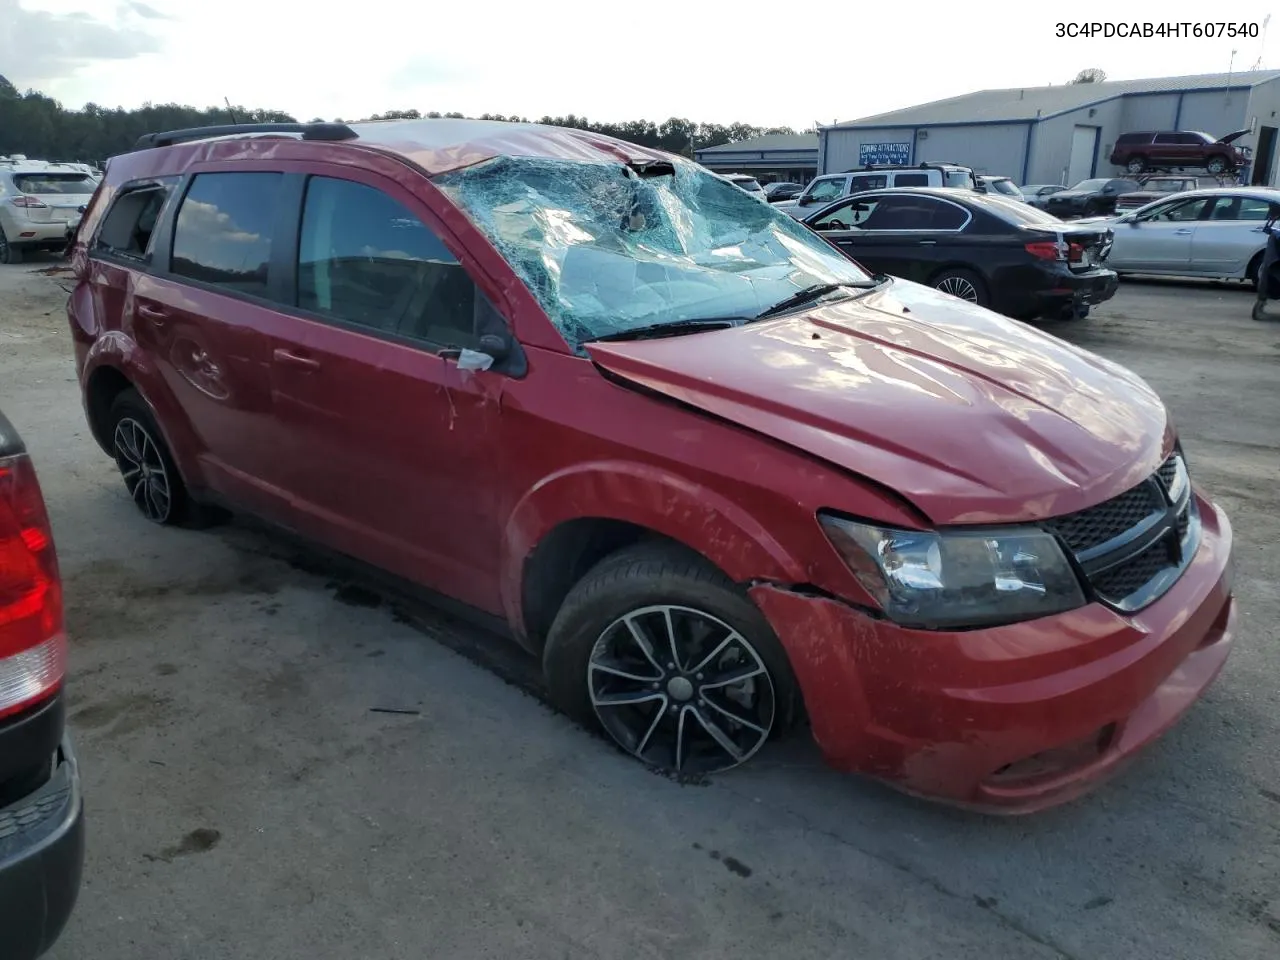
<point>440,145</point>
<point>767,142</point>
<point>1031,103</point>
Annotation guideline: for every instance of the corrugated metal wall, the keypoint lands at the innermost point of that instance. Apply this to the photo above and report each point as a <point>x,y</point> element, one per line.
<point>841,151</point>
<point>1264,104</point>
<point>1051,143</point>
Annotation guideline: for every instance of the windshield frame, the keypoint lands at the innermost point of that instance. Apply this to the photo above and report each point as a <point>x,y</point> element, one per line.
<point>702,247</point>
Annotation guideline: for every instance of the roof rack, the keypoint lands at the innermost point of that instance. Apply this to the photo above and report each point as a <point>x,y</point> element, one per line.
<point>309,131</point>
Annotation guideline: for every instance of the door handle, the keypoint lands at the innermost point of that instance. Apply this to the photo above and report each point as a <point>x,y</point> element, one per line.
<point>928,243</point>
<point>293,360</point>
<point>1182,233</point>
<point>156,315</point>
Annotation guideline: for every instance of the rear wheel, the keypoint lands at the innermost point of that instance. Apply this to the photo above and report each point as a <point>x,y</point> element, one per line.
<point>1136,164</point>
<point>8,252</point>
<point>1255,267</point>
<point>150,475</point>
<point>667,656</point>
<point>964,284</point>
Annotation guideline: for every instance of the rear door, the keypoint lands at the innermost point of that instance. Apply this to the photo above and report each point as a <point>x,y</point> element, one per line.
<point>1158,239</point>
<point>1230,235</point>
<point>202,313</point>
<point>389,447</point>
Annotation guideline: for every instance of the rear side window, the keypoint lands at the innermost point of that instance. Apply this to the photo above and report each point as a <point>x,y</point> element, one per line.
<point>128,228</point>
<point>911,180</point>
<point>1129,139</point>
<point>364,259</point>
<point>224,230</point>
<point>960,179</point>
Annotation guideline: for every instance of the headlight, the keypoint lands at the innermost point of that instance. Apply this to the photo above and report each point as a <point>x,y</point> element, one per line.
<point>961,578</point>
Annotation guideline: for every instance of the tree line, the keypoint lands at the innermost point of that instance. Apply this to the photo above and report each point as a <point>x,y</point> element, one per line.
<point>37,125</point>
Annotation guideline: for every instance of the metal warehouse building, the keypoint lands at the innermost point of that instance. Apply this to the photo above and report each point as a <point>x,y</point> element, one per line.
<point>1062,134</point>
<point>775,156</point>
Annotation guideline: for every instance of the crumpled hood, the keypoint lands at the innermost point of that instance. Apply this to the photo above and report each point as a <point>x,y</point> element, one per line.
<point>972,417</point>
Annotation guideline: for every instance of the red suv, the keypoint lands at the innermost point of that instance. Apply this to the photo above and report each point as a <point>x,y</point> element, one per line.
<point>717,476</point>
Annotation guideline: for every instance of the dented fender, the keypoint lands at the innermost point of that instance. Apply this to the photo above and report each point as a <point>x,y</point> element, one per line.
<point>686,512</point>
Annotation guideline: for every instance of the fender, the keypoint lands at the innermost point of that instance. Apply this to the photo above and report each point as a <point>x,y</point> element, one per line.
<point>118,351</point>
<point>647,496</point>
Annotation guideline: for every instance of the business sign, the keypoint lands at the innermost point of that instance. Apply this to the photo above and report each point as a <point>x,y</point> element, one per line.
<point>884,153</point>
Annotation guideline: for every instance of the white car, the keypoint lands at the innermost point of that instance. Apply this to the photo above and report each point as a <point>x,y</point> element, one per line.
<point>1001,187</point>
<point>747,183</point>
<point>1216,234</point>
<point>832,186</point>
<point>40,204</point>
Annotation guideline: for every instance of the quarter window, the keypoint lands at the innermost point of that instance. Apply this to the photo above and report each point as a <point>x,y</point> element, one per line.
<point>224,229</point>
<point>364,259</point>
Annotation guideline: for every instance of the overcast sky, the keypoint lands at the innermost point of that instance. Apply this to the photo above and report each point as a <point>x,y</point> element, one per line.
<point>712,62</point>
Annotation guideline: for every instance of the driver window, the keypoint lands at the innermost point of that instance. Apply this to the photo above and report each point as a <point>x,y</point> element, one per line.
<point>845,216</point>
<point>364,259</point>
<point>1180,212</point>
<point>827,189</point>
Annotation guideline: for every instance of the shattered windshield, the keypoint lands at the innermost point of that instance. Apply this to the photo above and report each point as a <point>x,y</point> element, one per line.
<point>606,249</point>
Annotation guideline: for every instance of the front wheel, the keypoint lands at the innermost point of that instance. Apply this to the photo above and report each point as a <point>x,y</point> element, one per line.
<point>1216,165</point>
<point>1136,165</point>
<point>672,660</point>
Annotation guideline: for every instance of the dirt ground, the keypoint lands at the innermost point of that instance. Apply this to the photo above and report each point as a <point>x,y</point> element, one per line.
<point>246,800</point>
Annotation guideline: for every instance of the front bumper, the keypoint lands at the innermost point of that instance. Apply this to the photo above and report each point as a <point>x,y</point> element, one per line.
<point>1011,719</point>
<point>41,857</point>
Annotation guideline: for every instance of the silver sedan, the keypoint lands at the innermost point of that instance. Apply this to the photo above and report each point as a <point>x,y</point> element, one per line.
<point>1213,233</point>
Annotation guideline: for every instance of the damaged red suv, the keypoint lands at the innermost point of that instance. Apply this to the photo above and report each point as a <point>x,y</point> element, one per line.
<point>720,479</point>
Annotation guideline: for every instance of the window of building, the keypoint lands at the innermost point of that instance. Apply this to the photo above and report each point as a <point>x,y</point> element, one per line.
<point>364,259</point>
<point>224,229</point>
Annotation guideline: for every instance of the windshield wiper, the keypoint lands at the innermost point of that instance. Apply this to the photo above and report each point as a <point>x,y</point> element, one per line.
<point>674,329</point>
<point>816,292</point>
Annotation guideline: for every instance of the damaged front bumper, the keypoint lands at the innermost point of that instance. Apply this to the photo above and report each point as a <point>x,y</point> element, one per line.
<point>1011,719</point>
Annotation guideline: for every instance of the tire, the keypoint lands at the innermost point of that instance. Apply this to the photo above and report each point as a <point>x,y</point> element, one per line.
<point>964,284</point>
<point>9,254</point>
<point>139,447</point>
<point>670,702</point>
<point>1136,164</point>
<point>1253,269</point>
<point>1216,165</point>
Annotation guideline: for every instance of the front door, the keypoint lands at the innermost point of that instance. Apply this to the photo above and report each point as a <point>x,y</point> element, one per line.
<point>1159,239</point>
<point>894,234</point>
<point>391,450</point>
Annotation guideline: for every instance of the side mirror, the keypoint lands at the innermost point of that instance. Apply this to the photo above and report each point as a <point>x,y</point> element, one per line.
<point>803,201</point>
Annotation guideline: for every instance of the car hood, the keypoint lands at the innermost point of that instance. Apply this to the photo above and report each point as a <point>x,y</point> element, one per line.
<point>1233,137</point>
<point>970,416</point>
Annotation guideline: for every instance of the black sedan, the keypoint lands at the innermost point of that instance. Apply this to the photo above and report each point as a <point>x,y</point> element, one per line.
<point>996,253</point>
<point>1089,198</point>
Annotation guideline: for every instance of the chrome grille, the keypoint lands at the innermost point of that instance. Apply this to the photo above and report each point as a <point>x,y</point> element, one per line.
<point>1133,547</point>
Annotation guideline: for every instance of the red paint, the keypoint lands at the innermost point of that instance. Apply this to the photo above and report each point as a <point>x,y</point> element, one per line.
<point>903,407</point>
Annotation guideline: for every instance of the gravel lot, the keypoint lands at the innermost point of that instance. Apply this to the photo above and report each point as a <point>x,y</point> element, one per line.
<point>245,801</point>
